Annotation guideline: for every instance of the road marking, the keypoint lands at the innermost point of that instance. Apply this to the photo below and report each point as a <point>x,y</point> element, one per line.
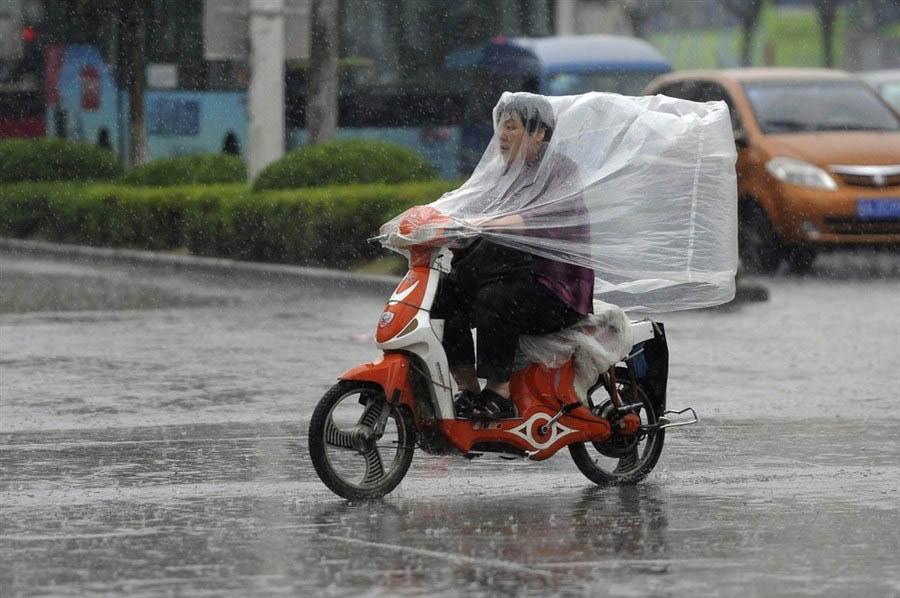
<point>53,446</point>
<point>449,556</point>
<point>76,536</point>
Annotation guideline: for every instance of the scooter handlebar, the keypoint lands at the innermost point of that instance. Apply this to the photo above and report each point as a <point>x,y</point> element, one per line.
<point>426,227</point>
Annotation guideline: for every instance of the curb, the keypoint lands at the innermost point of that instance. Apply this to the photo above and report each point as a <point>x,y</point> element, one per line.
<point>191,262</point>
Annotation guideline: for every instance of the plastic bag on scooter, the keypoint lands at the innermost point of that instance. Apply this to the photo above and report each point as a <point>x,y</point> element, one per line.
<point>642,190</point>
<point>597,343</point>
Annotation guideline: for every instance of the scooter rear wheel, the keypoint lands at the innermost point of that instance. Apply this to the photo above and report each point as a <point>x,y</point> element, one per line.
<point>620,460</point>
<point>360,445</point>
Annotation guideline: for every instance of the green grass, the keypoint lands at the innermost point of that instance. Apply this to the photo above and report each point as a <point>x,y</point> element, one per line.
<point>795,36</point>
<point>693,49</point>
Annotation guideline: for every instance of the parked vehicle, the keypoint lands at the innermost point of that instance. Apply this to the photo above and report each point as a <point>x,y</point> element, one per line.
<point>573,64</point>
<point>818,160</point>
<point>364,430</point>
<point>89,107</point>
<point>886,83</point>
<point>22,98</point>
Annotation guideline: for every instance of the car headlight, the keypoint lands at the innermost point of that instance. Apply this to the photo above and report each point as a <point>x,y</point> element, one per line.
<point>798,172</point>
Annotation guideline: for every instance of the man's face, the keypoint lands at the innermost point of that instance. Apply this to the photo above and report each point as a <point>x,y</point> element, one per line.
<point>513,137</point>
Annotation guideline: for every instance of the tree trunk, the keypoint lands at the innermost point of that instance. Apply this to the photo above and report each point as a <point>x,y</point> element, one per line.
<point>748,12</point>
<point>136,33</point>
<point>636,13</point>
<point>322,90</point>
<point>749,29</point>
<point>828,41</point>
<point>827,12</point>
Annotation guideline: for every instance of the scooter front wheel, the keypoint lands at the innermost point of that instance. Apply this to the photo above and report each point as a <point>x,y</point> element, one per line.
<point>360,445</point>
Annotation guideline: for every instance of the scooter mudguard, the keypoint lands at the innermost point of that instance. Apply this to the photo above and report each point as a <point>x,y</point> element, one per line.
<point>390,372</point>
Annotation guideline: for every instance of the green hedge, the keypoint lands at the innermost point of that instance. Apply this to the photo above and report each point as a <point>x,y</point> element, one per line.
<point>200,169</point>
<point>320,226</point>
<point>344,162</point>
<point>55,160</point>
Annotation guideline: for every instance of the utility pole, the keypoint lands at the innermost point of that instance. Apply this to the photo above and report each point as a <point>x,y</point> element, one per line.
<point>322,88</point>
<point>266,97</point>
<point>566,17</point>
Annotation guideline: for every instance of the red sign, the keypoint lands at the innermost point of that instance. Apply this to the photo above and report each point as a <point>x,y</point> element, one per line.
<point>91,88</point>
<point>29,35</point>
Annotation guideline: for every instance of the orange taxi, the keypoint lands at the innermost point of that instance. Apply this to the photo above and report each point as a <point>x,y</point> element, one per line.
<point>818,160</point>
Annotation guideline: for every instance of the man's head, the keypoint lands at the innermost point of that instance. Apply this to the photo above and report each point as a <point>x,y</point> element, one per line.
<point>524,121</point>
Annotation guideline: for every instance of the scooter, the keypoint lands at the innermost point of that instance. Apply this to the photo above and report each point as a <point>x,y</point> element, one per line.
<point>364,430</point>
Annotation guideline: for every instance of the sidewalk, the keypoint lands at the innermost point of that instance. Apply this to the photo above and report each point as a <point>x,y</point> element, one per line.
<point>190,262</point>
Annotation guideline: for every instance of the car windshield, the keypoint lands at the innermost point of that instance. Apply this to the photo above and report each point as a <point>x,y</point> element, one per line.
<point>891,92</point>
<point>625,83</point>
<point>782,107</point>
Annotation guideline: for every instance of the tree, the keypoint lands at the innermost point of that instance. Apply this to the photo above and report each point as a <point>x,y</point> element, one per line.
<point>129,19</point>
<point>322,90</point>
<point>639,11</point>
<point>133,66</point>
<point>827,12</point>
<point>747,11</point>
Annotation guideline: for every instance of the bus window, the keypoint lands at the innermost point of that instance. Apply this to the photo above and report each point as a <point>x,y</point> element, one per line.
<point>626,83</point>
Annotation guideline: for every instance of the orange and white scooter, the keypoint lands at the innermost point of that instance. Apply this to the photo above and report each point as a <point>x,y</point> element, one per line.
<point>364,430</point>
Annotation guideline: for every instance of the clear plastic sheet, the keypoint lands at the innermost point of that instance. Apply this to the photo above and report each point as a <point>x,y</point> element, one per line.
<point>640,189</point>
<point>597,342</point>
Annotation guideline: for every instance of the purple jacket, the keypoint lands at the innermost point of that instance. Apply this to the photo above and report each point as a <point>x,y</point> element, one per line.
<point>573,284</point>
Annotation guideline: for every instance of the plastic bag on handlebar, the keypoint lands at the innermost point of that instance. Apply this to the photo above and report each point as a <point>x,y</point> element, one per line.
<point>640,189</point>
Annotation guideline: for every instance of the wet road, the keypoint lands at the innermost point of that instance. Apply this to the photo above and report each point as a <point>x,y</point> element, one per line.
<point>153,442</point>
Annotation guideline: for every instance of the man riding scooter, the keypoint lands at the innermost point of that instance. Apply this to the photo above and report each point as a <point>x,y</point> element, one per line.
<point>646,220</point>
<point>507,292</point>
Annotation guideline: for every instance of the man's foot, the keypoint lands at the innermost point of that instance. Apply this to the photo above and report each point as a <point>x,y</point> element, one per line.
<point>491,406</point>
<point>464,403</point>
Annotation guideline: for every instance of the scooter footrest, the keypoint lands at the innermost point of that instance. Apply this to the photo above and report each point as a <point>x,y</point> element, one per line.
<point>671,419</point>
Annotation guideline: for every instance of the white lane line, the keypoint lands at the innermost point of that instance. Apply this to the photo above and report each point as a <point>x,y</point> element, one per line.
<point>448,556</point>
<point>76,536</point>
<point>646,565</point>
<point>89,443</point>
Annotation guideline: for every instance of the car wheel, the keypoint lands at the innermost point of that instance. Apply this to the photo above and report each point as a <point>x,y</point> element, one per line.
<point>800,259</point>
<point>758,244</point>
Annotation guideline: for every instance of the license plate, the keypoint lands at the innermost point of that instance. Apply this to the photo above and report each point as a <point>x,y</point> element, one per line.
<point>878,209</point>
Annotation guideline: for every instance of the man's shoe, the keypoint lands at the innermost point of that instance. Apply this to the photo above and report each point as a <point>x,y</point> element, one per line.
<point>464,403</point>
<point>491,406</point>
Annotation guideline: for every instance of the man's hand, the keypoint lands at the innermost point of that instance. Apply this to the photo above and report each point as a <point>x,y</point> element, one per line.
<point>513,221</point>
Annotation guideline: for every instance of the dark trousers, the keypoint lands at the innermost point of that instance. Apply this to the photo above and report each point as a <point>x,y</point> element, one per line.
<point>500,309</point>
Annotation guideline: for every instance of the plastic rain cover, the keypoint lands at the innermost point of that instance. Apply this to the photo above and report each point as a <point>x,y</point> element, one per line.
<point>640,189</point>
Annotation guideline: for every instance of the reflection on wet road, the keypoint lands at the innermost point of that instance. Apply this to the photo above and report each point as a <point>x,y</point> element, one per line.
<point>153,442</point>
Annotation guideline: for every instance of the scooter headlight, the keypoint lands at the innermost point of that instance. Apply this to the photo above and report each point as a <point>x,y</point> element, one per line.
<point>798,172</point>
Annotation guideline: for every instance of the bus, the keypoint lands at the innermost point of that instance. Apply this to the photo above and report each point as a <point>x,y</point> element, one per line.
<point>450,124</point>
<point>555,66</point>
<point>447,123</point>
<point>91,108</point>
